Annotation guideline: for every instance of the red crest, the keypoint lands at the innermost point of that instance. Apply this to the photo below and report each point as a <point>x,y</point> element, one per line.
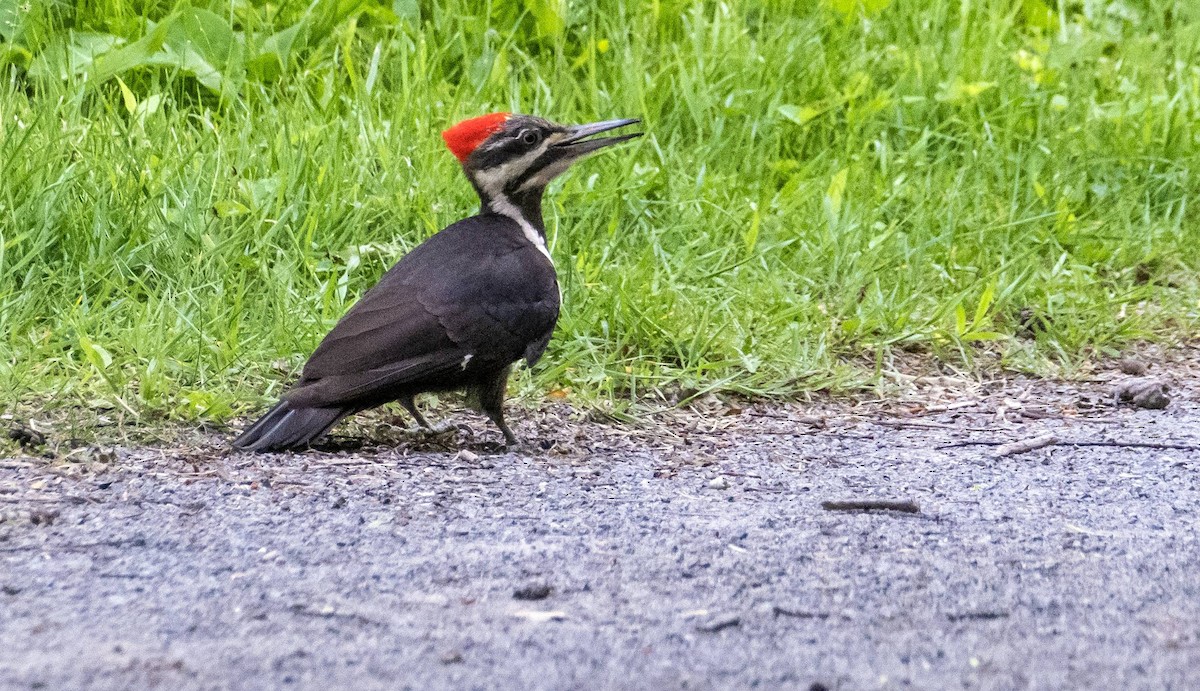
<point>464,137</point>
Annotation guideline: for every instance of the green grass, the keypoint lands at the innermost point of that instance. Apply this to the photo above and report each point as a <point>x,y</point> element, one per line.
<point>814,191</point>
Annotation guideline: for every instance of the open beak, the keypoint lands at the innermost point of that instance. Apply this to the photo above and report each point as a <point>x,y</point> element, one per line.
<point>577,143</point>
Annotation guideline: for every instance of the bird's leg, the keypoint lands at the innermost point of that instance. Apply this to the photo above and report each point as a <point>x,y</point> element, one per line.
<point>510,439</point>
<point>411,406</point>
<point>491,402</point>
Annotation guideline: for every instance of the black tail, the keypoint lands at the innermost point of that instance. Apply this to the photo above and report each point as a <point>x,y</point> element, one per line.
<point>285,427</point>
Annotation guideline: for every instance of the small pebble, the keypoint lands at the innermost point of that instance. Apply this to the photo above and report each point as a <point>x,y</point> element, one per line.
<point>538,591</point>
<point>1133,366</point>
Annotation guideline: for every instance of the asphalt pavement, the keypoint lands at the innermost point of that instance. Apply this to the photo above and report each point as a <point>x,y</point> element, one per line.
<point>695,555</point>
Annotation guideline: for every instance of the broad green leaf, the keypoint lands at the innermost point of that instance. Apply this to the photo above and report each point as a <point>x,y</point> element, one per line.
<point>985,303</point>
<point>958,91</point>
<point>203,44</point>
<point>843,7</point>
<point>274,54</point>
<point>203,404</point>
<point>127,96</point>
<point>373,69</point>
<point>481,68</point>
<point>983,336</point>
<point>800,114</point>
<point>850,8</point>
<point>96,354</point>
<point>409,10</point>
<point>836,191</point>
<point>10,20</point>
<point>1037,14</point>
<point>856,85</point>
<point>226,208</point>
<point>550,16</point>
<point>136,54</point>
<point>78,55</point>
<point>750,237</point>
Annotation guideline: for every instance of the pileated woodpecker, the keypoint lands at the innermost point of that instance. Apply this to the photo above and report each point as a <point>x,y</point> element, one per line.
<point>461,308</point>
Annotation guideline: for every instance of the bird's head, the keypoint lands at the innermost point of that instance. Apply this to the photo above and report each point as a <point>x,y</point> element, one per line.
<point>511,157</point>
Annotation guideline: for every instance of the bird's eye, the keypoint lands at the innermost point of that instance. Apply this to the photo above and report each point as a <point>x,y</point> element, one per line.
<point>531,137</point>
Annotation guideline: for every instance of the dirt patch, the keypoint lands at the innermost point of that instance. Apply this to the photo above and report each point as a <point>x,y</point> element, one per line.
<point>694,551</point>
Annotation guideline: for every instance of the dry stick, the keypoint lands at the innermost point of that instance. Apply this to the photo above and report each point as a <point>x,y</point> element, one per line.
<point>923,424</point>
<point>814,420</point>
<point>821,434</point>
<point>871,505</point>
<point>1026,445</point>
<point>1136,445</point>
<point>1115,444</point>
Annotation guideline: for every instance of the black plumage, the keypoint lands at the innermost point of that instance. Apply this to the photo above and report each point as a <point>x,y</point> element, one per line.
<point>457,311</point>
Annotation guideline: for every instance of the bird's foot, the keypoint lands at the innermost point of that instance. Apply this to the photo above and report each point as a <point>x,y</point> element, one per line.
<point>442,429</point>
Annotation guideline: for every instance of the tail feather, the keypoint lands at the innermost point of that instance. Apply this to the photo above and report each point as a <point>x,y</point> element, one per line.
<point>288,427</point>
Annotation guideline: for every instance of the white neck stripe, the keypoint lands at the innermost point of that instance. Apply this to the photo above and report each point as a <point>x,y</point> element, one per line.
<point>501,205</point>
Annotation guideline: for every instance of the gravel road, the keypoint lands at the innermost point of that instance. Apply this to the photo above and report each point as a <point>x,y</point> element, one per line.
<point>692,554</point>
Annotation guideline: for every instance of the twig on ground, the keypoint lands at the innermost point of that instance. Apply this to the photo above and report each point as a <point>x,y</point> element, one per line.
<point>977,616</point>
<point>905,506</point>
<point>1024,445</point>
<point>948,407</point>
<point>719,624</point>
<point>1060,442</point>
<point>820,433</point>
<point>799,614</point>
<point>925,424</point>
<point>812,420</point>
<point>1136,445</point>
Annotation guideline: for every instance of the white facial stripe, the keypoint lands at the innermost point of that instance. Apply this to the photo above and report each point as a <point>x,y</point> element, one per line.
<point>492,180</point>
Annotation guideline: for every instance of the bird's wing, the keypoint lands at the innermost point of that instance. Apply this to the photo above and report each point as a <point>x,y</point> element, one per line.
<point>473,289</point>
<point>498,311</point>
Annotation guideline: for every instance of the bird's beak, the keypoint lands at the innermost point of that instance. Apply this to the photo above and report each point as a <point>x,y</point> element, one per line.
<point>576,143</point>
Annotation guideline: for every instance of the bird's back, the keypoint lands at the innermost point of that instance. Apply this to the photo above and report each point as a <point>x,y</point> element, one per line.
<point>471,299</point>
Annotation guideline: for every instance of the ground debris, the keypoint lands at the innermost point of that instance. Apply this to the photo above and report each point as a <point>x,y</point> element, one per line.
<point>797,614</point>
<point>537,591</point>
<point>43,517</point>
<point>1133,366</point>
<point>1025,445</point>
<point>330,612</point>
<point>904,505</point>
<point>26,436</point>
<point>540,617</point>
<point>719,624</point>
<point>977,616</point>
<point>1145,392</point>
